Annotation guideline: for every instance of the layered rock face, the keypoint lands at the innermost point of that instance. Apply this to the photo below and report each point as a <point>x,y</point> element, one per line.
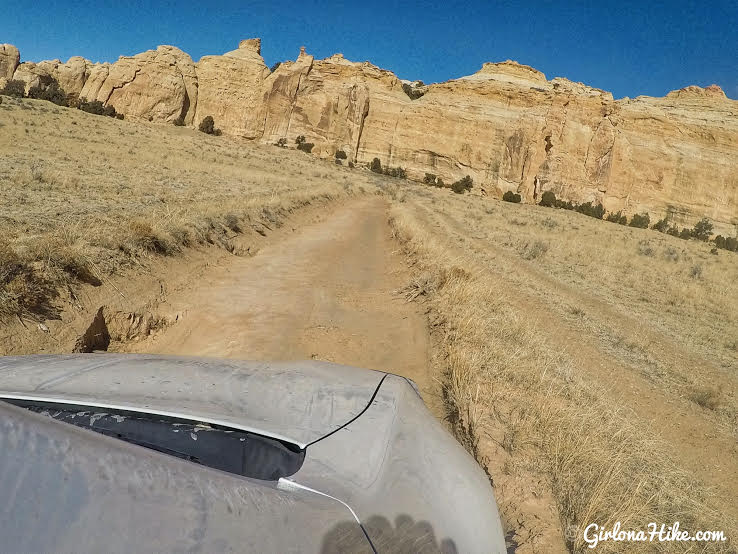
<point>9,60</point>
<point>71,75</point>
<point>507,126</point>
<point>230,89</point>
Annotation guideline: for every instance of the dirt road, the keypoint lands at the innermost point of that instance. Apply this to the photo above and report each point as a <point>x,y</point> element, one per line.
<point>326,291</point>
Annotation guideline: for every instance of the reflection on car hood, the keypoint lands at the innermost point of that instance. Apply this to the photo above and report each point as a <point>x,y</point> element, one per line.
<point>298,402</point>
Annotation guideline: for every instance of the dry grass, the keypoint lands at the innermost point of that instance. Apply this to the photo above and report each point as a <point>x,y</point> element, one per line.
<point>527,408</point>
<point>85,197</point>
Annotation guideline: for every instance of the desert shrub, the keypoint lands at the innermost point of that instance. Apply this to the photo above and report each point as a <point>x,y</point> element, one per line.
<point>232,222</point>
<point>645,248</point>
<point>587,208</point>
<point>510,196</point>
<point>673,231</point>
<point>22,290</point>
<point>640,221</point>
<point>548,199</point>
<point>685,234</point>
<point>207,126</point>
<point>15,88</point>
<point>282,143</point>
<point>94,107</point>
<point>98,108</point>
<point>179,122</point>
<point>702,229</point>
<point>306,147</point>
<point>462,185</point>
<point>662,225</point>
<point>707,398</point>
<point>143,236</point>
<point>411,91</point>
<point>395,172</point>
<point>300,139</point>
<point>351,165</point>
<point>534,250</point>
<point>341,155</point>
<point>568,205</point>
<point>617,217</point>
<point>50,91</point>
<point>729,243</point>
<point>431,179</point>
<point>696,272</point>
<point>376,166</point>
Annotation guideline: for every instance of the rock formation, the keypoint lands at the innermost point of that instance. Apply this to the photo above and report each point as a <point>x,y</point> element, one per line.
<point>230,89</point>
<point>9,60</point>
<point>507,126</point>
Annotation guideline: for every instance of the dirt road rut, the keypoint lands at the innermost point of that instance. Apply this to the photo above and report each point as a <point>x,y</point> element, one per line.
<point>326,292</point>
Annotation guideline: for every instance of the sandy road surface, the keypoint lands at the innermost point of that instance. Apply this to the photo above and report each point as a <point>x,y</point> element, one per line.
<point>327,292</point>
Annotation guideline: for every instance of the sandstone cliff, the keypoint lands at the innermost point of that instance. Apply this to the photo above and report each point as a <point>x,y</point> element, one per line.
<point>9,60</point>
<point>507,126</point>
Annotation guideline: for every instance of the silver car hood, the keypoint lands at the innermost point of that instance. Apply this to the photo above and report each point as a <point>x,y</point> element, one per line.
<point>297,402</point>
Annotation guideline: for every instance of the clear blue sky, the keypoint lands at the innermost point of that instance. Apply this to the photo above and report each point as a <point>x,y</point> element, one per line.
<point>626,47</point>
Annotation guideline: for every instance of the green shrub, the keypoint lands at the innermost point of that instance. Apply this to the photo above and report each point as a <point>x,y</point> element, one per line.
<point>548,199</point>
<point>341,155</point>
<point>702,229</point>
<point>685,234</point>
<point>15,88</point>
<point>662,225</point>
<point>376,166</point>
<point>207,126</point>
<point>412,92</point>
<point>49,90</point>
<point>673,231</point>
<point>640,221</point>
<point>462,185</point>
<point>729,243</point>
<point>94,107</point>
<point>617,217</point>
<point>510,196</point>
<point>587,208</point>
<point>98,108</point>
<point>395,172</point>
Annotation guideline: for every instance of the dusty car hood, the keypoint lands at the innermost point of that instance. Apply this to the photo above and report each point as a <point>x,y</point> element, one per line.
<point>298,402</point>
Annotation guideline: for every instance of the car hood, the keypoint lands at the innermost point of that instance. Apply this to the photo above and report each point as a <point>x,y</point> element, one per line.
<point>297,402</point>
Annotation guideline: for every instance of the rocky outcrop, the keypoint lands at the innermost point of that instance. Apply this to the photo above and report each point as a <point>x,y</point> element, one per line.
<point>230,90</point>
<point>158,85</point>
<point>507,125</point>
<point>9,60</point>
<point>71,75</point>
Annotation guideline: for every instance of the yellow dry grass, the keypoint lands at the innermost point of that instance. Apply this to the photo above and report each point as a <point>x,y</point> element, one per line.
<point>547,323</point>
<point>86,196</point>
